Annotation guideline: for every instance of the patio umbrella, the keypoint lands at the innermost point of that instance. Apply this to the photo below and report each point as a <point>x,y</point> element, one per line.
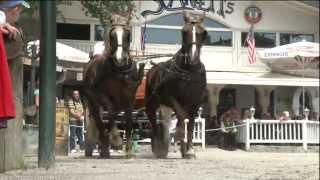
<point>294,59</point>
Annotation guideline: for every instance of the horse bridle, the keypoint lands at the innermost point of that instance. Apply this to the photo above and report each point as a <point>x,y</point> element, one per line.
<point>119,44</point>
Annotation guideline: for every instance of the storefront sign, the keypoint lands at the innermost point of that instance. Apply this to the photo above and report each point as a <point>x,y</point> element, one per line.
<point>221,7</point>
<point>253,14</point>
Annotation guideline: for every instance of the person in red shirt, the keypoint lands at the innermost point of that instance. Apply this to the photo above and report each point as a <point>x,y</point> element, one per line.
<point>9,14</point>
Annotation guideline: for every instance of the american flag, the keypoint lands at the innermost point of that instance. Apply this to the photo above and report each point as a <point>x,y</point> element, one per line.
<point>251,46</point>
<point>143,38</point>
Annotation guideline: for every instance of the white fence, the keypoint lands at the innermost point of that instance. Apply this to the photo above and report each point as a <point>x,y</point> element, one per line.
<point>275,131</point>
<point>199,135</point>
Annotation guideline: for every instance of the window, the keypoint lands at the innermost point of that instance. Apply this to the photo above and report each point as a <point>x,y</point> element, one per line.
<point>98,33</point>
<point>73,31</point>
<point>177,20</point>
<point>262,40</point>
<point>167,30</point>
<point>219,38</point>
<point>286,38</point>
<point>163,36</point>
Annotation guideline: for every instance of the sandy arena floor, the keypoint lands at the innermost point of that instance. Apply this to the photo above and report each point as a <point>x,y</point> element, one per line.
<point>210,164</point>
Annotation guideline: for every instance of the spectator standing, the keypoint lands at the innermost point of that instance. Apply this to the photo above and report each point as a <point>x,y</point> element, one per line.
<point>285,115</point>
<point>11,50</point>
<point>76,121</point>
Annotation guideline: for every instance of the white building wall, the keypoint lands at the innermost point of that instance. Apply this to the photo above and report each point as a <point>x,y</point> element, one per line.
<point>278,16</point>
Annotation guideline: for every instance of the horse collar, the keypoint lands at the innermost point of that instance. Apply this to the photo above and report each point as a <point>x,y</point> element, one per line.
<point>124,70</point>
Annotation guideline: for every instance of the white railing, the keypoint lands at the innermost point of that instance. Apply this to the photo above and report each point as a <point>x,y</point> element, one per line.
<point>199,134</point>
<point>275,131</point>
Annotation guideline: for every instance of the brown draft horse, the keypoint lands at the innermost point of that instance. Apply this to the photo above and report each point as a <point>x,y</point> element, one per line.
<point>179,83</point>
<point>110,81</point>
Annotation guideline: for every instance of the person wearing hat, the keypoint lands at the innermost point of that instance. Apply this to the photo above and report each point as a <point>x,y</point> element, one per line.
<point>10,12</point>
<point>11,48</point>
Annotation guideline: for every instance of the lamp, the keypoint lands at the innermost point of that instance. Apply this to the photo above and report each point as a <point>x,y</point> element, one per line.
<point>252,111</point>
<point>306,113</point>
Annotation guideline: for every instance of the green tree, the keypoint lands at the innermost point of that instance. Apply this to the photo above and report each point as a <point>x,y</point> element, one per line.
<point>102,9</point>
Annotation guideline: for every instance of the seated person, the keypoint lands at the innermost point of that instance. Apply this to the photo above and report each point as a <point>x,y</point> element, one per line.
<point>285,115</point>
<point>246,114</point>
<point>229,132</point>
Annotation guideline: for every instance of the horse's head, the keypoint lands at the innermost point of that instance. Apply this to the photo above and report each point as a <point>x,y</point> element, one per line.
<point>193,36</point>
<point>119,39</point>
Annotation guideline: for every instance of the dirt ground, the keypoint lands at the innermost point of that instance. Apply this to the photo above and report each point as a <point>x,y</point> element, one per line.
<point>210,164</point>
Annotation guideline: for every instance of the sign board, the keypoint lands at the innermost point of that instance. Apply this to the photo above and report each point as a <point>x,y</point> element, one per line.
<point>221,7</point>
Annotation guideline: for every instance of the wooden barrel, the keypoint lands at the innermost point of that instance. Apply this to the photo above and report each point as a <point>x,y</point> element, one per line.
<point>62,131</point>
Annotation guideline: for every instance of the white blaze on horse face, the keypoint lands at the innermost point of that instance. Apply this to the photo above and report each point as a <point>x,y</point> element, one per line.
<point>194,40</point>
<point>119,32</point>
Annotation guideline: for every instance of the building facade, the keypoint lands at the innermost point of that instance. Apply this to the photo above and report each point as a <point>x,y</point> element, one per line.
<point>232,80</point>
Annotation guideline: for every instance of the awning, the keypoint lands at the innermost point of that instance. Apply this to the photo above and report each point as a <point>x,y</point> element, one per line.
<point>268,79</point>
<point>64,52</point>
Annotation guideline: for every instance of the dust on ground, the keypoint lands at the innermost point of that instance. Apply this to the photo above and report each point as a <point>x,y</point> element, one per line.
<point>210,164</point>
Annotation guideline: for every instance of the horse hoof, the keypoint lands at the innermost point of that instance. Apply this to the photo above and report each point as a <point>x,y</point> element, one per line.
<point>130,156</point>
<point>104,155</point>
<point>88,153</point>
<point>190,154</point>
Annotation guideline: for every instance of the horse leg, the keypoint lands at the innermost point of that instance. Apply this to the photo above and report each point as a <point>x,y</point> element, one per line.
<point>104,143</point>
<point>102,127</point>
<point>190,151</point>
<point>181,115</point>
<point>163,136</point>
<point>151,113</point>
<point>129,133</point>
<point>114,134</point>
<point>91,137</point>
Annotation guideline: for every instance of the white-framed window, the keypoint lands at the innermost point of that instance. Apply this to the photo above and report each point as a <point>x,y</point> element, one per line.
<point>262,39</point>
<point>167,30</point>
<point>287,38</point>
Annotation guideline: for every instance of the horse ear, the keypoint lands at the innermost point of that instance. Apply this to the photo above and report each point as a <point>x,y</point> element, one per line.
<point>186,16</point>
<point>112,18</point>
